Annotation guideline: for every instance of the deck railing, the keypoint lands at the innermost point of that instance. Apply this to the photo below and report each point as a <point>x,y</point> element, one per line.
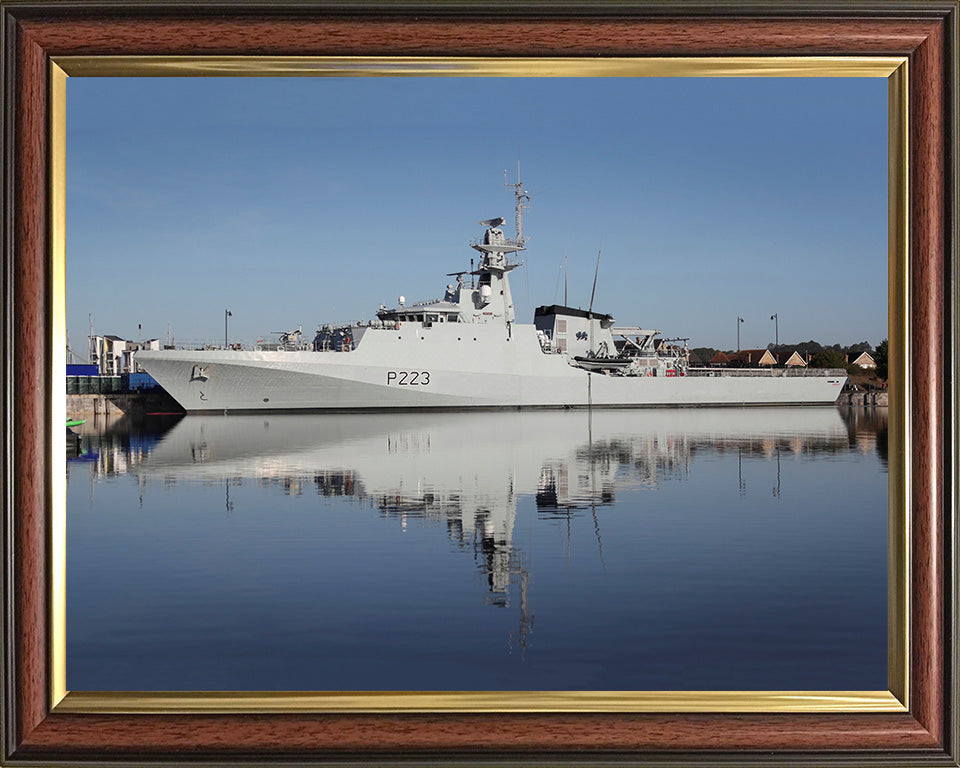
<point>771,372</point>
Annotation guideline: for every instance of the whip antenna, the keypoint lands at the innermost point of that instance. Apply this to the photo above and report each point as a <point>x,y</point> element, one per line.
<point>595,272</point>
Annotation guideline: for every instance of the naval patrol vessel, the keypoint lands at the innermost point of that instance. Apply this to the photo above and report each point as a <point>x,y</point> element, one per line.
<point>466,350</point>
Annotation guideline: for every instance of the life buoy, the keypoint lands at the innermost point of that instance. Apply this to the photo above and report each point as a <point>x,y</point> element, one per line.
<point>396,325</point>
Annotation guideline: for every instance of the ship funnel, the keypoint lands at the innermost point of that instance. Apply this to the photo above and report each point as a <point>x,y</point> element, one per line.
<point>401,300</point>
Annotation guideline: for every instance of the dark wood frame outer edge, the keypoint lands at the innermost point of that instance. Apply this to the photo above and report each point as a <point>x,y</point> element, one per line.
<point>926,32</point>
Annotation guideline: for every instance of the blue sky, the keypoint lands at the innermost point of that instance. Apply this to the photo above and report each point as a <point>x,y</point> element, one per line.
<point>309,200</point>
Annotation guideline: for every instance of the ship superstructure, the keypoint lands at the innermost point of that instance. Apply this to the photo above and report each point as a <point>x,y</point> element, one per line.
<point>466,350</point>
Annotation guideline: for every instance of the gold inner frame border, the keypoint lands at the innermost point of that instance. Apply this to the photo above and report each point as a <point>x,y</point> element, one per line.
<point>895,699</point>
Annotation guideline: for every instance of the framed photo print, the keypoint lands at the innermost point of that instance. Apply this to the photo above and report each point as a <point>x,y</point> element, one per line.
<point>431,530</point>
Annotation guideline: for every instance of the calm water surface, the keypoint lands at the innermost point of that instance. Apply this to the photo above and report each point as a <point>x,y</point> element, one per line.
<point>639,550</point>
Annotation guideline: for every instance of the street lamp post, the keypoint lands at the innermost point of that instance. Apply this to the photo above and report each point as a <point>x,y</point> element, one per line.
<point>739,320</point>
<point>226,313</point>
<point>776,329</point>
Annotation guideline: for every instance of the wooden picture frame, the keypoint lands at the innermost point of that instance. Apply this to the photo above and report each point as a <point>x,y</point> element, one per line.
<point>36,34</point>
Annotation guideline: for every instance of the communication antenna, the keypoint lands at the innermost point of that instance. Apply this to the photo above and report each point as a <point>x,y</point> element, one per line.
<point>523,202</point>
<point>596,271</point>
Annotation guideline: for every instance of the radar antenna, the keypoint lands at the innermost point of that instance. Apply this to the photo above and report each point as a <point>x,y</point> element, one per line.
<point>523,202</point>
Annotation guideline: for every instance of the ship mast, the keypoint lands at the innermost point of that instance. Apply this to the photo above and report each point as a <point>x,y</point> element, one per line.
<point>496,249</point>
<point>523,202</point>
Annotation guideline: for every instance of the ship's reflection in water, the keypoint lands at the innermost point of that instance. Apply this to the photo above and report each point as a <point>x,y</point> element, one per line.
<point>584,486</point>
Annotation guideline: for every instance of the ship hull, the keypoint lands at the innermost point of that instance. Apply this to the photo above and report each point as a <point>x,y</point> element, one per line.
<point>451,367</point>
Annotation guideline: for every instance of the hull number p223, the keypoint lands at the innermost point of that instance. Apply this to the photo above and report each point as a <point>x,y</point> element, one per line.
<point>407,378</point>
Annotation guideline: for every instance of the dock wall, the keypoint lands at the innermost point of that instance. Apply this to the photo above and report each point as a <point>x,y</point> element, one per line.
<point>117,404</point>
<point>873,398</point>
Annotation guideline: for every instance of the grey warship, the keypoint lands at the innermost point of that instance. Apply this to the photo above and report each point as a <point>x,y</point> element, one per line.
<point>466,350</point>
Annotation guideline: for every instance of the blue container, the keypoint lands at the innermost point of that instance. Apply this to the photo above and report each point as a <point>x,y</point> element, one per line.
<point>82,370</point>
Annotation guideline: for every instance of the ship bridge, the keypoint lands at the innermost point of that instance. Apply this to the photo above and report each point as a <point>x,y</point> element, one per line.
<point>426,312</point>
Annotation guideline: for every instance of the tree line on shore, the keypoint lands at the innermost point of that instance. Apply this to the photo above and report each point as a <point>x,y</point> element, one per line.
<point>819,355</point>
